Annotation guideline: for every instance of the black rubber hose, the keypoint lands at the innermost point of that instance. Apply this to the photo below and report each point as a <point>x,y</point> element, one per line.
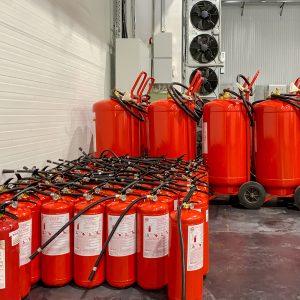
<point>94,270</point>
<point>246,104</point>
<point>110,151</point>
<point>247,82</point>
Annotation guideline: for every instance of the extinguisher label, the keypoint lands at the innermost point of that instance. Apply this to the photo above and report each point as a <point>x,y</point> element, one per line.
<point>175,204</point>
<point>156,236</point>
<point>25,234</point>
<point>50,225</point>
<point>195,247</point>
<point>123,242</point>
<point>14,237</point>
<point>88,235</point>
<point>2,264</point>
<point>204,138</point>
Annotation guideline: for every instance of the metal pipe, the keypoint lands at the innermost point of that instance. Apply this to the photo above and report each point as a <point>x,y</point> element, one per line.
<point>163,16</point>
<point>248,2</point>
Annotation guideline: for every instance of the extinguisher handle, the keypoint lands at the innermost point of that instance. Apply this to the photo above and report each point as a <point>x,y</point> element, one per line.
<point>150,82</point>
<point>195,84</point>
<point>141,78</point>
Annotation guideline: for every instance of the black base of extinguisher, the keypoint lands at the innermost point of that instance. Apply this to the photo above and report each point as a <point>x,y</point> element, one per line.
<point>252,195</point>
<point>297,197</point>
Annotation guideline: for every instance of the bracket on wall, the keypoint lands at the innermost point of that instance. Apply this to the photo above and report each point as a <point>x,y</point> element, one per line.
<point>243,7</point>
<point>281,8</point>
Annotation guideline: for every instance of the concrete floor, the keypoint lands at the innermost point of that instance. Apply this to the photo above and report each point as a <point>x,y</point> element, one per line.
<point>255,255</point>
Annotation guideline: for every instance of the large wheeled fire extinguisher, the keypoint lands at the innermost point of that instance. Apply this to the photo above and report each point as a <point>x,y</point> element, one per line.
<point>25,235</point>
<point>185,273</point>
<point>9,257</point>
<point>57,257</point>
<point>277,141</point>
<point>173,122</point>
<point>117,122</point>
<point>152,244</point>
<point>226,147</point>
<point>88,242</point>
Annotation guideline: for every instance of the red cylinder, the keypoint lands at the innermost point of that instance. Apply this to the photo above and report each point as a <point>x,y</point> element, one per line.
<point>116,129</point>
<point>25,236</point>
<point>171,131</point>
<point>9,259</point>
<point>192,230</point>
<point>277,140</point>
<point>36,236</point>
<point>226,144</point>
<point>121,252</point>
<point>201,204</point>
<point>56,258</point>
<point>88,243</point>
<point>152,244</point>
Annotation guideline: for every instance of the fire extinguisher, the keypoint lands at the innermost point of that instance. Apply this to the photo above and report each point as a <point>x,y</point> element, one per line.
<point>88,242</point>
<point>117,122</point>
<point>56,258</point>
<point>35,206</point>
<point>121,242</point>
<point>152,244</point>
<point>9,256</point>
<point>25,235</point>
<point>185,275</point>
<point>173,122</point>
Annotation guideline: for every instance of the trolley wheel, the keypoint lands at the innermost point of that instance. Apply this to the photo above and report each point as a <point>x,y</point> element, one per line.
<point>297,197</point>
<point>252,195</point>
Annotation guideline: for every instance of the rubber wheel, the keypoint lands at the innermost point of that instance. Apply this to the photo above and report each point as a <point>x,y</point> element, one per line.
<point>252,195</point>
<point>297,197</point>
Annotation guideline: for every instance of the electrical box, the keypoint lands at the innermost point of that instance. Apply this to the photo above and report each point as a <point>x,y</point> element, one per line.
<point>162,57</point>
<point>132,57</point>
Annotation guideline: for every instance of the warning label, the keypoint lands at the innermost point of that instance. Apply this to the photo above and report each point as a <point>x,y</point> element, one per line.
<point>2,264</point>
<point>123,242</point>
<point>195,247</point>
<point>25,234</point>
<point>156,236</point>
<point>50,225</point>
<point>14,237</point>
<point>88,233</point>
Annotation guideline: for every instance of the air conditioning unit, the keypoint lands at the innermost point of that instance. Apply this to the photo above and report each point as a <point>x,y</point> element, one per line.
<point>202,34</point>
<point>210,84</point>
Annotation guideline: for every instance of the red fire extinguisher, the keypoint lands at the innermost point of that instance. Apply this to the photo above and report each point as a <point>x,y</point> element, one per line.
<point>152,244</point>
<point>25,235</point>
<point>185,273</point>
<point>35,206</point>
<point>56,258</point>
<point>88,242</point>
<point>9,257</point>
<point>121,253</point>
<point>226,141</point>
<point>277,141</point>
<point>117,122</point>
<point>173,122</point>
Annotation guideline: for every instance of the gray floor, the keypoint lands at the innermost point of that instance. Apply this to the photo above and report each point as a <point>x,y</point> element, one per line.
<point>254,255</point>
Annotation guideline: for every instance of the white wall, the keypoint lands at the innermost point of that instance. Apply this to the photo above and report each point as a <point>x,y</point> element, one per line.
<point>261,39</point>
<point>55,62</point>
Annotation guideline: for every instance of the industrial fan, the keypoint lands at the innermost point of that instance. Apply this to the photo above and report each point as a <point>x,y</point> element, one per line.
<point>204,15</point>
<point>210,80</point>
<point>204,48</point>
